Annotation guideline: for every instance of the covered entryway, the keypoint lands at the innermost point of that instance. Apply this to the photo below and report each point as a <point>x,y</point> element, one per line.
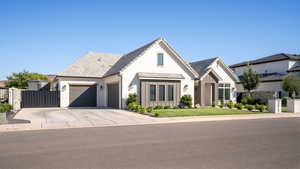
<point>83,96</point>
<point>206,89</point>
<point>113,95</point>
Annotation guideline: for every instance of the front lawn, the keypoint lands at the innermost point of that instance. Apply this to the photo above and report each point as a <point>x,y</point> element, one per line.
<point>203,111</point>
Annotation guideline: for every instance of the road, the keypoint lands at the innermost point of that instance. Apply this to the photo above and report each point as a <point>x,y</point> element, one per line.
<point>238,144</point>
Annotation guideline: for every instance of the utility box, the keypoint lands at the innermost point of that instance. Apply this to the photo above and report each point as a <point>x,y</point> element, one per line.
<point>274,105</point>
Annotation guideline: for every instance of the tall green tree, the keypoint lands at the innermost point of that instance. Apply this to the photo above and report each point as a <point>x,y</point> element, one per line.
<point>250,79</point>
<point>20,80</point>
<point>291,84</point>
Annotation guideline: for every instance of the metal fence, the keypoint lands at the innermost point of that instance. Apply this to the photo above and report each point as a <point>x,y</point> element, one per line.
<point>40,99</point>
<point>3,95</point>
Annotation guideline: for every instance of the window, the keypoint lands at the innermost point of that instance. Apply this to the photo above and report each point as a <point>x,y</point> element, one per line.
<point>224,92</point>
<point>160,59</point>
<point>152,92</point>
<point>161,92</point>
<point>170,92</point>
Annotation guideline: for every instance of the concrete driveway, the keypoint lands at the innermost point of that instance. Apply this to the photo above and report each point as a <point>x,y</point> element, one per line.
<point>80,117</point>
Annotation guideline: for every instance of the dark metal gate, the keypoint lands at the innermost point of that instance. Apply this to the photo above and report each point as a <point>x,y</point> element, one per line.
<point>40,99</point>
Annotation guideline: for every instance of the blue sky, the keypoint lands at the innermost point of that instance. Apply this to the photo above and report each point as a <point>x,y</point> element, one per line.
<point>46,36</point>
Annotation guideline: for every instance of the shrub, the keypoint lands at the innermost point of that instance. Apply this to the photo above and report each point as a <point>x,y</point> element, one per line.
<point>186,101</point>
<point>132,98</point>
<point>222,104</point>
<point>249,107</point>
<point>230,104</point>
<point>132,106</point>
<point>137,108</point>
<point>5,107</point>
<point>156,114</point>
<point>142,109</point>
<point>284,101</point>
<point>167,107</point>
<point>175,107</point>
<point>158,107</point>
<point>149,109</point>
<point>261,108</point>
<point>213,104</point>
<point>239,106</point>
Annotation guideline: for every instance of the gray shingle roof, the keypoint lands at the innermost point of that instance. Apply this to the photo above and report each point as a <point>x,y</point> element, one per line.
<point>128,58</point>
<point>202,66</point>
<point>91,65</point>
<point>276,57</point>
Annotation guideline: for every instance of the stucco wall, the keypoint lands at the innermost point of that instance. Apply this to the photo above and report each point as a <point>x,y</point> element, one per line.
<point>226,78</point>
<point>102,89</point>
<point>148,63</point>
<point>271,67</point>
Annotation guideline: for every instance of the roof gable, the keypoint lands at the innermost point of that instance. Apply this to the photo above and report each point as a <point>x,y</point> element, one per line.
<point>129,58</point>
<point>202,66</point>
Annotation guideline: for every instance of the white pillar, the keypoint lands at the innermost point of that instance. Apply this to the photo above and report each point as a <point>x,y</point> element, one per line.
<point>293,105</point>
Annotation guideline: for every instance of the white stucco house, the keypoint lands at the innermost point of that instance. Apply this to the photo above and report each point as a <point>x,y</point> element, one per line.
<point>155,71</point>
<point>272,70</point>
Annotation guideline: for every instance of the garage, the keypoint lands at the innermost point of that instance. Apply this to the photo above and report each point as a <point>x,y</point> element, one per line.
<point>83,96</point>
<point>113,95</point>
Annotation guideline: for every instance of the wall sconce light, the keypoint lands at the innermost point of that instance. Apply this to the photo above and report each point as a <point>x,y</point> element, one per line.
<point>101,87</point>
<point>64,88</point>
<point>185,87</point>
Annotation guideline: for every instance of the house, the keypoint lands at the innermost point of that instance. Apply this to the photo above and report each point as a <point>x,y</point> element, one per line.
<point>215,82</point>
<point>272,70</point>
<point>155,71</point>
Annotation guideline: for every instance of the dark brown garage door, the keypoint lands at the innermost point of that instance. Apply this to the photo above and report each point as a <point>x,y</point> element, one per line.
<point>113,95</point>
<point>83,96</point>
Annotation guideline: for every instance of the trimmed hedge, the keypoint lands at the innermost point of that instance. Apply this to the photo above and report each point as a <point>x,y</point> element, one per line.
<point>4,107</point>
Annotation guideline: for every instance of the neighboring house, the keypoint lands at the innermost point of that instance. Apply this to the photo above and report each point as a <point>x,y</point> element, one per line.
<point>215,82</point>
<point>272,70</point>
<point>3,83</point>
<point>155,72</point>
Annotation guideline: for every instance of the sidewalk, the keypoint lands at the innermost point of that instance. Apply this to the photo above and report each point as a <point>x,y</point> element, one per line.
<point>163,120</point>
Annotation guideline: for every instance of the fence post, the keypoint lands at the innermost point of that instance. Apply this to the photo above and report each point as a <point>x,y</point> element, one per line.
<point>15,98</point>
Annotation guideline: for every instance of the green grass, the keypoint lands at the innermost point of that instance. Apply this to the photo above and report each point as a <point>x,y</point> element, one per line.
<point>204,111</point>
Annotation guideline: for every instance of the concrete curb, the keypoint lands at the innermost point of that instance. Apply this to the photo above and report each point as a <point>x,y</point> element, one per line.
<point>163,120</point>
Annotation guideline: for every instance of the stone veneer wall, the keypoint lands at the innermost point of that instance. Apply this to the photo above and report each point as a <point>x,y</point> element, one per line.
<point>15,98</point>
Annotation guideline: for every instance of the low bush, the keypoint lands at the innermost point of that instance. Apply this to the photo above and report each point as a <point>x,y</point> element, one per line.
<point>230,104</point>
<point>249,107</point>
<point>142,109</point>
<point>156,114</point>
<point>176,107</point>
<point>186,101</point>
<point>167,107</point>
<point>260,108</point>
<point>149,109</point>
<point>284,101</point>
<point>250,100</point>
<point>4,107</point>
<point>239,106</point>
<point>132,98</point>
<point>132,106</point>
<point>213,104</point>
<point>222,104</point>
<point>158,107</point>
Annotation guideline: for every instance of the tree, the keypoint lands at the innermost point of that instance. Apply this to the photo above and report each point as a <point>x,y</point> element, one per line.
<point>291,84</point>
<point>20,80</point>
<point>250,79</point>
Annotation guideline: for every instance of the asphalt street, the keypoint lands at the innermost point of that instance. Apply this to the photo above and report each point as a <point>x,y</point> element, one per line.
<point>236,144</point>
